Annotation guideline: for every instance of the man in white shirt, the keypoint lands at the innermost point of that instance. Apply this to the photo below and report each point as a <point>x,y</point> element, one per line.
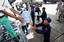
<point>27,18</point>
<point>4,12</point>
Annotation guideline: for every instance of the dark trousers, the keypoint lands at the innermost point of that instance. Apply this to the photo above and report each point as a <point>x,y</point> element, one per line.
<point>27,24</point>
<point>45,33</point>
<point>46,37</point>
<point>33,20</point>
<point>24,28</point>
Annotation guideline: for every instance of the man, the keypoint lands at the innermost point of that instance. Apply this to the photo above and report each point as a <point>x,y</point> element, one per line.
<point>60,10</point>
<point>46,29</point>
<point>44,14</point>
<point>4,12</point>
<point>33,14</point>
<point>27,18</point>
<point>37,9</point>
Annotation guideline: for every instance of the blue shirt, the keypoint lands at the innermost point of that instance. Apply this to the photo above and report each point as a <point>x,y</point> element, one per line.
<point>26,17</point>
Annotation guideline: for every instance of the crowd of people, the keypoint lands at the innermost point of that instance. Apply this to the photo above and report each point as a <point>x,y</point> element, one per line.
<point>26,18</point>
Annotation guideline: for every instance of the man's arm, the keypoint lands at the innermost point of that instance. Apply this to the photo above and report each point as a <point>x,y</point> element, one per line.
<point>11,15</point>
<point>14,11</point>
<point>7,5</point>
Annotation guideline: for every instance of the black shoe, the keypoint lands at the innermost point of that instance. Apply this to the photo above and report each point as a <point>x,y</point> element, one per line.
<point>27,33</point>
<point>58,20</point>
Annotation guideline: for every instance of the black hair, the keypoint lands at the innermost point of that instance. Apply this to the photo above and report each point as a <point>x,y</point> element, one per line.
<point>62,0</point>
<point>11,1</point>
<point>43,8</point>
<point>49,19</point>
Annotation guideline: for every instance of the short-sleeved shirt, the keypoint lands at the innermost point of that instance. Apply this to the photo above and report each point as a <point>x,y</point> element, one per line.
<point>5,4</point>
<point>24,5</point>
<point>26,17</point>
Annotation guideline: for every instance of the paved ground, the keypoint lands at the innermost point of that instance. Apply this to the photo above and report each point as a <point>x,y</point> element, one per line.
<point>57,28</point>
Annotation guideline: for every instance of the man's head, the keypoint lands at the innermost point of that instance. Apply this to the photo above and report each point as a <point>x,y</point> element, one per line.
<point>43,8</point>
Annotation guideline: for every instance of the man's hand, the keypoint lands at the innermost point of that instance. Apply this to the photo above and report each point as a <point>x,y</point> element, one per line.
<point>11,15</point>
<point>20,18</point>
<point>33,28</point>
<point>14,11</point>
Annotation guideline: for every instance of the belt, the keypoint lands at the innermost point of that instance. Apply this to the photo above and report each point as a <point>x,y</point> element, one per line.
<point>2,16</point>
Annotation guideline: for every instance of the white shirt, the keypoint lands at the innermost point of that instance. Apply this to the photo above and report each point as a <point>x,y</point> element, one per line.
<point>4,4</point>
<point>26,17</point>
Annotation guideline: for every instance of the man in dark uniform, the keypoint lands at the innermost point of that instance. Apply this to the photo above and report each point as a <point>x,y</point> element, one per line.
<point>46,29</point>
<point>33,14</point>
<point>37,9</point>
<point>44,14</point>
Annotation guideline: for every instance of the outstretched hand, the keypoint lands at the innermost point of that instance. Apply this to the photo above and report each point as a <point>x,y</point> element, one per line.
<point>20,19</point>
<point>33,28</point>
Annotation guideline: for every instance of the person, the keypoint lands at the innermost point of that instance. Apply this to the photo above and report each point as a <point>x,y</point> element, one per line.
<point>46,28</point>
<point>27,18</point>
<point>44,14</point>
<point>58,9</point>
<point>37,9</point>
<point>33,14</point>
<point>4,13</point>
